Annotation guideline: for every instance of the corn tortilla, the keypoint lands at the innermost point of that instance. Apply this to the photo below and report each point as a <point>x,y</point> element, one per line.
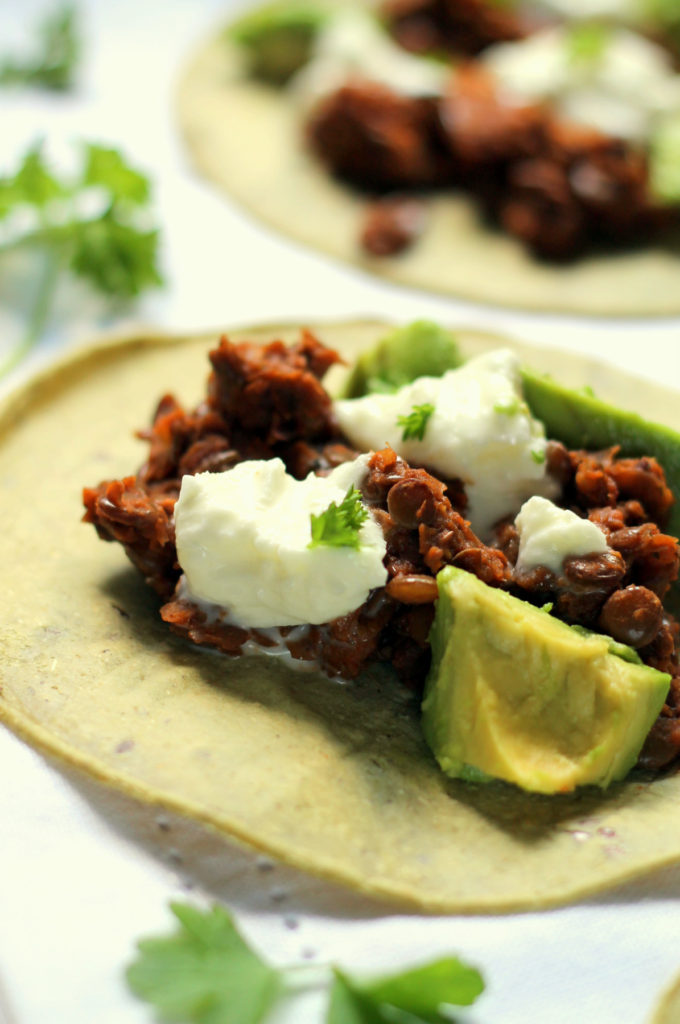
<point>332,778</point>
<point>246,138</point>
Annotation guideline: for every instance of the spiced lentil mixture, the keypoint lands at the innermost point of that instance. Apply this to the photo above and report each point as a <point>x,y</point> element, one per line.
<point>267,401</point>
<point>558,187</point>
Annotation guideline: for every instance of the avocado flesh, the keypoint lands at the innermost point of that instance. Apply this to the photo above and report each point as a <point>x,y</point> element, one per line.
<point>278,38</point>
<point>421,349</point>
<point>515,694</point>
<point>580,420</point>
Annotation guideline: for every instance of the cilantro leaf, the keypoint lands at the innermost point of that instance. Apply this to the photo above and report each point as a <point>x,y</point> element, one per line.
<point>415,424</point>
<point>348,1006</point>
<point>420,992</point>
<point>205,973</point>
<point>117,258</point>
<point>94,223</point>
<point>587,42</point>
<point>339,525</point>
<point>106,167</point>
<point>33,184</point>
<point>54,63</point>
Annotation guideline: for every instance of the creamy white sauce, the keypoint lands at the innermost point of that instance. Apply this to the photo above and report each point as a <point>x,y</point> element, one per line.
<point>624,91</point>
<point>352,46</point>
<point>481,431</point>
<point>242,543</point>
<point>548,535</point>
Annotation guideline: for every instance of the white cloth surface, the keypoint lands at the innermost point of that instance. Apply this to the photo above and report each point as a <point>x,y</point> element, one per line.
<point>84,872</point>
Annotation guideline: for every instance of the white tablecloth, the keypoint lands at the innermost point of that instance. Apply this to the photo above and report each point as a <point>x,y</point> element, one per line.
<point>84,872</point>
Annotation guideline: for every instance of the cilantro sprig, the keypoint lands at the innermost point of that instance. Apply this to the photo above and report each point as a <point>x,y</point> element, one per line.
<point>415,423</point>
<point>339,525</point>
<point>54,63</point>
<point>93,224</point>
<point>205,973</point>
<point>587,42</point>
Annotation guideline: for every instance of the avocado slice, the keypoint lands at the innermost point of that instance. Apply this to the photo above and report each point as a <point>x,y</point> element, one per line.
<point>421,349</point>
<point>278,38</point>
<point>581,420</point>
<point>515,694</point>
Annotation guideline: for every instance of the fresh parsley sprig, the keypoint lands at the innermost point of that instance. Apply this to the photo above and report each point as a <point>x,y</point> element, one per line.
<point>205,973</point>
<point>415,423</point>
<point>54,63</point>
<point>339,525</point>
<point>94,224</point>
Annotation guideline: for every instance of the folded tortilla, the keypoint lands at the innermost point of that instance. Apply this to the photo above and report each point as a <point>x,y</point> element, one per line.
<point>247,138</point>
<point>334,778</point>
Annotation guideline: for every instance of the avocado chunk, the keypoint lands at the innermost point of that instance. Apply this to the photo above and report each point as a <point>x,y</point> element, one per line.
<point>515,694</point>
<point>278,38</point>
<point>580,420</point>
<point>421,349</point>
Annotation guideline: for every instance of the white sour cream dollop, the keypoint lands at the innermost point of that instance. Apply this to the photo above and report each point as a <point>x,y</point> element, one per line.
<point>549,534</point>
<point>352,45</point>
<point>623,91</point>
<point>242,543</point>
<point>481,431</point>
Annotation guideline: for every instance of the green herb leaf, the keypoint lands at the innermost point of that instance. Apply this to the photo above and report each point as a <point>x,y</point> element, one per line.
<point>115,249</point>
<point>538,455</point>
<point>349,1006</point>
<point>421,992</point>
<point>339,525</point>
<point>415,423</point>
<point>116,258</point>
<point>107,167</point>
<point>54,63</point>
<point>587,42</point>
<point>32,185</point>
<point>509,408</point>
<point>204,973</point>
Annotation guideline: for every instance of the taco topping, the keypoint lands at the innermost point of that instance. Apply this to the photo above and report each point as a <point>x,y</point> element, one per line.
<point>261,526</point>
<point>244,541</point>
<point>479,430</point>
<point>548,535</point>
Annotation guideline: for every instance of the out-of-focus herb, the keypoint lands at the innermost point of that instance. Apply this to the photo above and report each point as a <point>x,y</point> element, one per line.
<point>95,225</point>
<point>587,42</point>
<point>54,63</point>
<point>207,974</point>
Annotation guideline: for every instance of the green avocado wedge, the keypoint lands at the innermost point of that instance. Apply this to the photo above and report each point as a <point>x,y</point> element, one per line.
<point>277,38</point>
<point>515,694</point>
<point>421,349</point>
<point>580,420</point>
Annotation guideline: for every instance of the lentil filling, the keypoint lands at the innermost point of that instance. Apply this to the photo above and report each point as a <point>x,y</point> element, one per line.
<point>268,401</point>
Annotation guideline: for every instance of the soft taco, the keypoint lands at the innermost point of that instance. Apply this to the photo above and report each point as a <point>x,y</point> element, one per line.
<point>334,777</point>
<point>535,166</point>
